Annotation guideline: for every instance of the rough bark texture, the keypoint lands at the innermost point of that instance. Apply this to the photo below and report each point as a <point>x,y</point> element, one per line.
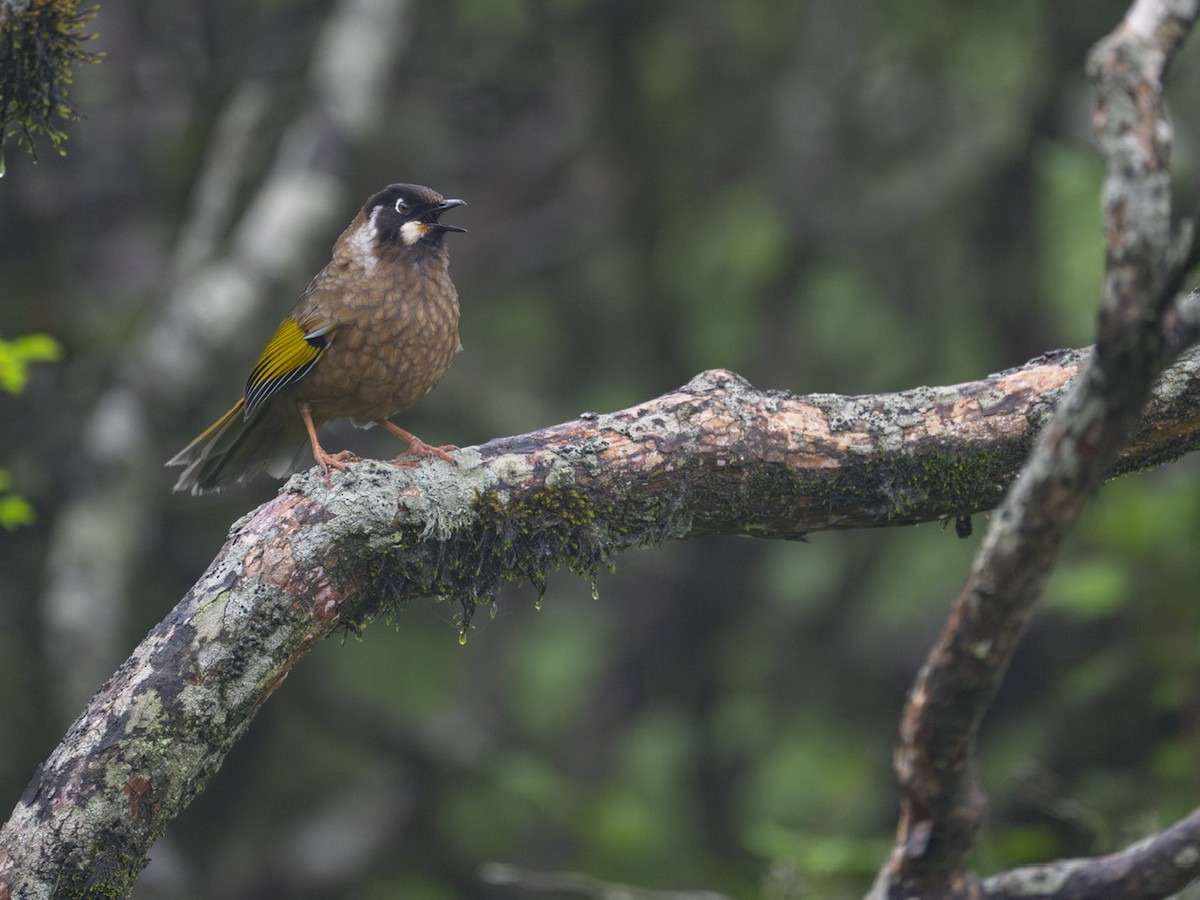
<point>715,456</point>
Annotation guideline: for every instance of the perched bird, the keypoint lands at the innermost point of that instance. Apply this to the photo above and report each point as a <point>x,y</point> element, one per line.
<point>372,334</point>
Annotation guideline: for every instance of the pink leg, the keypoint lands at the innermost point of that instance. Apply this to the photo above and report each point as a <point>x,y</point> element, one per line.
<point>416,446</point>
<point>325,460</point>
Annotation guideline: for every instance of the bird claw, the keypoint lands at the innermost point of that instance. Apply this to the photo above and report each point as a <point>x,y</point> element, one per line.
<point>340,460</point>
<point>420,450</point>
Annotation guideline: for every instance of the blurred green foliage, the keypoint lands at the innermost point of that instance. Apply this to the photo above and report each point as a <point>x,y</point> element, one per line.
<point>852,197</point>
<point>15,358</point>
<point>15,510</point>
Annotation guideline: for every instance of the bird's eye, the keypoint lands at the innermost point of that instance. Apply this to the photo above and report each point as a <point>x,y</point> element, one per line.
<point>403,207</point>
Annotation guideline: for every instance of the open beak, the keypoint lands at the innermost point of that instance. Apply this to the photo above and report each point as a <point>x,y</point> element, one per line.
<point>441,208</point>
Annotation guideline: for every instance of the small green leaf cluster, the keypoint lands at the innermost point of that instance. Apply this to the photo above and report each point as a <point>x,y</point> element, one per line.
<point>15,358</point>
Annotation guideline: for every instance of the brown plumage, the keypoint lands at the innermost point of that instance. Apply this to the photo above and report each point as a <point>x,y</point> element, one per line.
<point>372,334</point>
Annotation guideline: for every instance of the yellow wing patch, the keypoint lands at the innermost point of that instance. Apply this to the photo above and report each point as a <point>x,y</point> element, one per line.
<point>288,356</point>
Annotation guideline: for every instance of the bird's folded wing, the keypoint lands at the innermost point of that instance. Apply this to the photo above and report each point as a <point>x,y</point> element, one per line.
<point>288,356</point>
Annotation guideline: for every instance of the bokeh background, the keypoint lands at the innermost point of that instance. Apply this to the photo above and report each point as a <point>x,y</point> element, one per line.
<point>851,196</point>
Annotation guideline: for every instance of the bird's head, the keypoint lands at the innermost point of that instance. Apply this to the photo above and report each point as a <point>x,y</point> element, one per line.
<point>408,215</point>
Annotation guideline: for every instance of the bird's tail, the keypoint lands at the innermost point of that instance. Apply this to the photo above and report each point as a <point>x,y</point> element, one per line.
<point>236,447</point>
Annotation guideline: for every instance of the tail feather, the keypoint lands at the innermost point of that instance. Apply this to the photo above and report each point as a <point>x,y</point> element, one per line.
<point>236,447</point>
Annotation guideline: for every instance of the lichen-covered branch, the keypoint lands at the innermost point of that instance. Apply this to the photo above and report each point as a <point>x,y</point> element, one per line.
<point>716,456</point>
<point>941,802</point>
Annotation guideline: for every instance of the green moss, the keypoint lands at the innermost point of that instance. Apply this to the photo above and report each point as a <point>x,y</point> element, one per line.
<point>522,539</point>
<point>107,874</point>
<point>938,483</point>
<point>952,482</point>
<point>38,52</point>
<point>932,484</point>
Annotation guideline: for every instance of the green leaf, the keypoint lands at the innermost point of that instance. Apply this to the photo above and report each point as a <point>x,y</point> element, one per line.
<point>16,356</point>
<point>15,511</point>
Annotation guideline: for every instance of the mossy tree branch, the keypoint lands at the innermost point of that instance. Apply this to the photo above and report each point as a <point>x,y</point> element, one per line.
<point>716,456</point>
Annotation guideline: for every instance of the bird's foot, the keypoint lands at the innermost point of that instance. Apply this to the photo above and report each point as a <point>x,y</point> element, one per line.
<point>325,459</point>
<point>418,450</point>
<point>416,447</point>
<point>340,460</point>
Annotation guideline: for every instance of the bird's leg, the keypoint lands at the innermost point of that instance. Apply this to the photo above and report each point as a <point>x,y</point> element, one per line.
<point>324,459</point>
<point>416,446</point>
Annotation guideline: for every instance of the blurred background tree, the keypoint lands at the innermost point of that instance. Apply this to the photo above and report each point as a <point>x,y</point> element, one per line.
<point>822,196</point>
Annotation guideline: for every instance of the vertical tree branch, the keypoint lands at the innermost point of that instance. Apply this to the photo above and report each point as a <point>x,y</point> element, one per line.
<point>941,800</point>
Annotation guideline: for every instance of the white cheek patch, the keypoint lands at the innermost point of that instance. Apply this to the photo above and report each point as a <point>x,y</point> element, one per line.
<point>411,232</point>
<point>362,242</point>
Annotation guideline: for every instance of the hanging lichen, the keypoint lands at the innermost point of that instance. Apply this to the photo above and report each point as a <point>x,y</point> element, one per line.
<point>41,41</point>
